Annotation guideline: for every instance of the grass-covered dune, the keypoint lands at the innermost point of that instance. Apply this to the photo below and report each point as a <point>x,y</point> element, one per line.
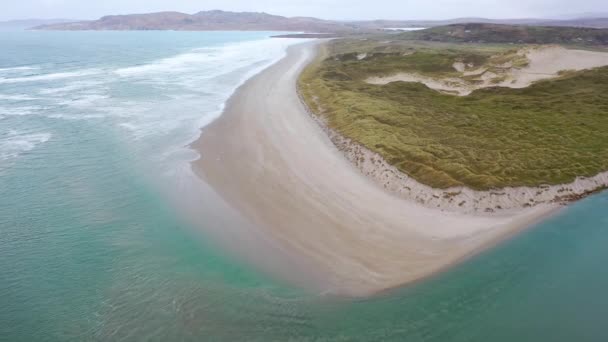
<point>503,34</point>
<point>548,133</point>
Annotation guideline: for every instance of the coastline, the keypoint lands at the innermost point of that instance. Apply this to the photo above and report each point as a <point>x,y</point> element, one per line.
<point>543,63</point>
<point>459,199</point>
<point>271,162</point>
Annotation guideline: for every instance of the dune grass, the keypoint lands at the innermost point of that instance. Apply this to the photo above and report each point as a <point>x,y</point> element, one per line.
<point>548,133</point>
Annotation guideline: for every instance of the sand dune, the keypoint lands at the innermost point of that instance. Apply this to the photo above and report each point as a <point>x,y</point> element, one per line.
<point>544,63</point>
<point>269,160</point>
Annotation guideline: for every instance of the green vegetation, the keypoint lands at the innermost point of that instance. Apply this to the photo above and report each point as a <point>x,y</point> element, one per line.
<point>548,133</point>
<point>386,44</point>
<point>504,34</point>
<point>383,64</point>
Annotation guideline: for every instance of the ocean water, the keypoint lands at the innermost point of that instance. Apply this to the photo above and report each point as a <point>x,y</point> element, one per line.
<point>95,243</point>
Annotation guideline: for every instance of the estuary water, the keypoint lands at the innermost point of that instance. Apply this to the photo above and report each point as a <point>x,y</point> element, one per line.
<point>95,243</point>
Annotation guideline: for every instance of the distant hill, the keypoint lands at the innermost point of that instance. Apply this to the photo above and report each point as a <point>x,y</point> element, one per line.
<point>205,21</point>
<point>592,22</point>
<point>433,23</point>
<point>253,21</point>
<point>27,23</point>
<point>494,33</point>
<point>571,16</point>
<point>580,22</point>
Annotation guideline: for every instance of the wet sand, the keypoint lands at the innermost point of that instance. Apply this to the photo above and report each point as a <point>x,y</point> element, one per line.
<point>270,161</point>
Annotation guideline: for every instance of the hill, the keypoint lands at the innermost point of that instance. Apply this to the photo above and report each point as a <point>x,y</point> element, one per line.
<point>224,20</point>
<point>580,22</point>
<point>592,22</point>
<point>204,21</point>
<point>505,34</point>
<point>27,23</point>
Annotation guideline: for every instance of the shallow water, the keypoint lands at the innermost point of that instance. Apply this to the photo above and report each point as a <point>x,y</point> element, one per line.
<point>93,166</point>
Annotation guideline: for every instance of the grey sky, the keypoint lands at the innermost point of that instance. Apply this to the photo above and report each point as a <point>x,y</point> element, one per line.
<point>327,9</point>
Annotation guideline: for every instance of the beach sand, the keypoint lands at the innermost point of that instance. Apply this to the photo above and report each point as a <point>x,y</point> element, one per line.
<point>269,160</point>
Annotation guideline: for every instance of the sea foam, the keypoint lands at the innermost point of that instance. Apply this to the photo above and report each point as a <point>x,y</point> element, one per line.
<point>16,97</point>
<point>48,77</point>
<point>196,84</point>
<point>19,111</point>
<point>160,105</point>
<point>17,69</point>
<point>14,143</point>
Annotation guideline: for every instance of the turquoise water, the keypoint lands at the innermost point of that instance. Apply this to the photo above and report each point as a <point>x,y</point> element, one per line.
<point>92,133</point>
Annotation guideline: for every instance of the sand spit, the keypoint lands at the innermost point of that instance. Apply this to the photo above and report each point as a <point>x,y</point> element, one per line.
<point>272,163</point>
<point>543,63</point>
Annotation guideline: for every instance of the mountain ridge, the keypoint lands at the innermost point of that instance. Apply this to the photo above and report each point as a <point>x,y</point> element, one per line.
<point>27,23</point>
<point>261,21</point>
<point>510,34</point>
<point>203,21</point>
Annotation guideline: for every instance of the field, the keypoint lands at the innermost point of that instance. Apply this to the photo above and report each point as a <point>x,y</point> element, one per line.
<point>548,133</point>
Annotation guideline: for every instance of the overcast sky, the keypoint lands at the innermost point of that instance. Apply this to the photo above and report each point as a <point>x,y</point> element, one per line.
<point>327,9</point>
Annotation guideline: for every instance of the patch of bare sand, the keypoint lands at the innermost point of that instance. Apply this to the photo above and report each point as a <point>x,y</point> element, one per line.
<point>548,62</point>
<point>445,85</point>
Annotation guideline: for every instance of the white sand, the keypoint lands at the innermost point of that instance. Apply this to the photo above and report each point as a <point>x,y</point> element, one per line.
<point>268,159</point>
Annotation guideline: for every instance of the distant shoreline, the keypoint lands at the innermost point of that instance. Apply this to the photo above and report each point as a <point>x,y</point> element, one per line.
<point>272,163</point>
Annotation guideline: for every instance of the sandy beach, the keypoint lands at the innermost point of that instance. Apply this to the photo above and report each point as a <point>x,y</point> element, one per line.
<point>269,159</point>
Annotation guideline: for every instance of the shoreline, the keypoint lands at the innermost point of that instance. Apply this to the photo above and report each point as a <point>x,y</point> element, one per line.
<point>462,198</point>
<point>459,199</point>
<point>271,162</point>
